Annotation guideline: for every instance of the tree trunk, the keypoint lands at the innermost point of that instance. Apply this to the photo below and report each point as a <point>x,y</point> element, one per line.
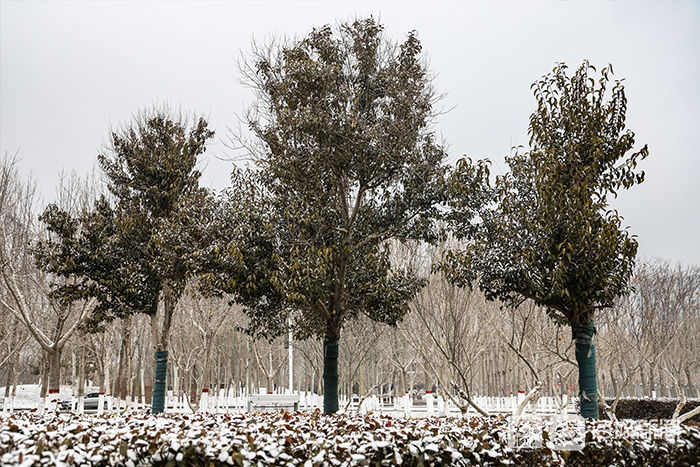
<point>361,386</point>
<point>10,372</point>
<point>217,387</point>
<point>562,386</point>
<point>161,352</point>
<point>503,365</point>
<point>129,377</point>
<point>247,366</point>
<point>158,402</point>
<point>614,383</point>
<point>625,390</point>
<point>176,381</point>
<point>583,335</point>
<point>206,374</point>
<point>44,375</point>
<point>81,379</point>
<point>54,357</point>
<point>124,356</point>
<point>160,347</point>
<point>161,365</point>
<point>73,370</point>
<point>15,376</point>
<point>330,375</point>
<point>691,387</point>
<point>106,378</point>
<point>142,371</point>
<point>645,386</point>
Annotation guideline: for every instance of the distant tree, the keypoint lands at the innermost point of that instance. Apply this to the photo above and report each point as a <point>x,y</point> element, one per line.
<point>347,164</point>
<point>649,334</point>
<point>25,290</point>
<point>118,250</point>
<point>446,328</point>
<point>547,232</point>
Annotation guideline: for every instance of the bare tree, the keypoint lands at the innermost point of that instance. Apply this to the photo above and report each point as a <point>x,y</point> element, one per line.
<point>28,297</point>
<point>445,328</point>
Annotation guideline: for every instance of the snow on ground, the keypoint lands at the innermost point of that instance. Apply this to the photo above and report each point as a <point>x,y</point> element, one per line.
<point>311,439</point>
<point>28,395</point>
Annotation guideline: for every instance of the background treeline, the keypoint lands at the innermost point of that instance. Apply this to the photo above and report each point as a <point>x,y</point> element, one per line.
<point>647,343</point>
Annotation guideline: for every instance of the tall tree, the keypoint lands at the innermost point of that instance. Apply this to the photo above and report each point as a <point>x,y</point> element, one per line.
<point>347,163</point>
<point>119,249</point>
<point>547,232</point>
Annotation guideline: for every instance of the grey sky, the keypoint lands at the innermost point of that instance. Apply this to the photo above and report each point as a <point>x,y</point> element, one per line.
<point>70,70</point>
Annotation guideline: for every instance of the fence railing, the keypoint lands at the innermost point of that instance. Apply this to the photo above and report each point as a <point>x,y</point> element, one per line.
<point>425,405</point>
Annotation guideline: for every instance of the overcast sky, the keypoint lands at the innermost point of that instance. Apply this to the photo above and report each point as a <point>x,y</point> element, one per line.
<point>71,70</point>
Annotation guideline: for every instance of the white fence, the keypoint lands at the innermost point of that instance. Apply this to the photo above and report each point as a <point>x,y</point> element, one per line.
<point>426,406</point>
<point>224,401</point>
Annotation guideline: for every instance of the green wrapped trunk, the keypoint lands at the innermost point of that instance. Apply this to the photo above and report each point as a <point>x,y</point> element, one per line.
<point>583,335</point>
<point>158,403</point>
<point>330,375</point>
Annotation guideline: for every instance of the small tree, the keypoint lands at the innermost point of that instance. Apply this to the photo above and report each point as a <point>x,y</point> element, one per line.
<point>25,289</point>
<point>347,164</point>
<point>119,252</point>
<point>547,232</point>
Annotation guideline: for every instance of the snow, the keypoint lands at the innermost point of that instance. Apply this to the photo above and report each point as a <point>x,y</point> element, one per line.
<point>27,397</point>
<point>137,438</point>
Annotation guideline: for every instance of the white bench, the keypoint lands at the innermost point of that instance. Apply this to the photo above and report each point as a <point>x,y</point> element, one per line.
<point>273,402</point>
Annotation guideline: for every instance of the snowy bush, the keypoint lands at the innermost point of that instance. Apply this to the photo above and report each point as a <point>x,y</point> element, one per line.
<point>311,439</point>
<point>652,409</point>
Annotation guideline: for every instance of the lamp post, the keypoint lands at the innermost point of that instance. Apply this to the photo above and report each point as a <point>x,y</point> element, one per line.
<point>291,355</point>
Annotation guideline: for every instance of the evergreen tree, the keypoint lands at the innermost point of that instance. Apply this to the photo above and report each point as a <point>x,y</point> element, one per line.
<point>118,252</point>
<point>546,230</point>
<point>348,165</point>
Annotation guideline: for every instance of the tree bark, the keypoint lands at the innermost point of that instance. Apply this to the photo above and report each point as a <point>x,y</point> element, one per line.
<point>8,384</point>
<point>73,371</point>
<point>690,386</point>
<point>583,335</point>
<point>158,402</point>
<point>614,383</point>
<point>81,379</point>
<point>142,371</point>
<point>161,352</point>
<point>247,366</point>
<point>107,379</point>
<point>124,356</point>
<point>54,357</point>
<point>645,385</point>
<point>330,375</point>
<point>44,372</point>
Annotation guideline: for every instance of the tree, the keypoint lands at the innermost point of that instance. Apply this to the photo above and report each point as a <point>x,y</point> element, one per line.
<point>446,328</point>
<point>27,289</point>
<point>547,232</point>
<point>119,251</point>
<point>347,163</point>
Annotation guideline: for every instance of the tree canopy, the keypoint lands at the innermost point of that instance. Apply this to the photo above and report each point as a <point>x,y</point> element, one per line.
<point>546,230</point>
<point>118,251</point>
<point>347,163</point>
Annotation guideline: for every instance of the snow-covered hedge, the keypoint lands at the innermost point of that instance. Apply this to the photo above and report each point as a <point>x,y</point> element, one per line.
<point>315,439</point>
<point>652,409</point>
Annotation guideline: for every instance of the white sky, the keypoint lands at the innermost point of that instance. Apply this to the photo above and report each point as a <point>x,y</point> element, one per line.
<point>70,70</point>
